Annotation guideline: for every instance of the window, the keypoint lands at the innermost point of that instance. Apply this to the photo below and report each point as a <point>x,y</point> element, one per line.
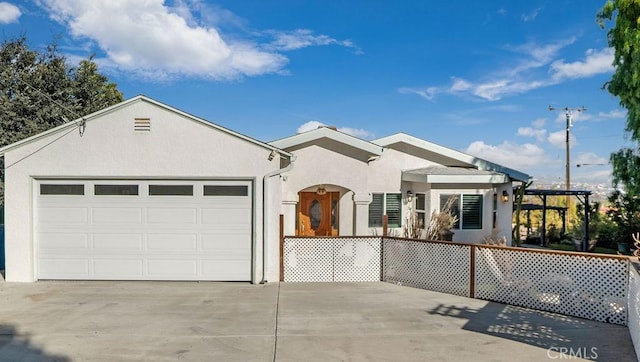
<point>472,211</point>
<point>171,190</point>
<point>421,211</point>
<point>112,190</point>
<point>495,210</point>
<point>226,190</point>
<point>467,208</point>
<point>60,189</point>
<point>389,204</point>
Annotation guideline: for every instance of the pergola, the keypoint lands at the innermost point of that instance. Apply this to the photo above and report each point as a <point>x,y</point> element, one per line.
<point>562,213</point>
<point>581,195</point>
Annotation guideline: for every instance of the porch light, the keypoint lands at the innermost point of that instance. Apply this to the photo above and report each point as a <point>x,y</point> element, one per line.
<point>409,195</point>
<point>505,196</point>
<point>321,191</point>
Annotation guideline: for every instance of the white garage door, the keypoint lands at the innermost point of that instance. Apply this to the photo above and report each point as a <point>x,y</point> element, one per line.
<point>144,230</point>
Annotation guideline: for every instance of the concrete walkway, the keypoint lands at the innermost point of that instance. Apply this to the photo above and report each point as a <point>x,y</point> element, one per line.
<point>292,322</point>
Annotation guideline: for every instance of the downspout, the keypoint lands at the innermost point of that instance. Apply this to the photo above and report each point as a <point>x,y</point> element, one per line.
<point>265,198</point>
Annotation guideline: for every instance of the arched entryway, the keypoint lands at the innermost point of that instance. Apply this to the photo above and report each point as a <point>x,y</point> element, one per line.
<point>319,211</point>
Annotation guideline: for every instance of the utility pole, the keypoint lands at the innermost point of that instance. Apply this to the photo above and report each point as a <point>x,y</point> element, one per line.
<point>567,113</point>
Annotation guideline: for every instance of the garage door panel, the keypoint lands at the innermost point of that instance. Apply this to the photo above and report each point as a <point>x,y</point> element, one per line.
<point>146,237</point>
<point>116,215</point>
<point>61,241</point>
<point>171,216</point>
<point>224,241</point>
<point>226,217</point>
<point>63,215</point>
<point>116,267</point>
<point>226,268</point>
<point>63,267</point>
<point>172,242</point>
<point>170,267</point>
<point>117,242</point>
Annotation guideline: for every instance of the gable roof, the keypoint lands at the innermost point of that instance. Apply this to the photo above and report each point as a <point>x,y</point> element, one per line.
<point>139,98</point>
<point>446,156</point>
<point>330,138</point>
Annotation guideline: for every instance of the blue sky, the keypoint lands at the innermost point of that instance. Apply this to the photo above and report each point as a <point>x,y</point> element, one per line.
<point>476,76</point>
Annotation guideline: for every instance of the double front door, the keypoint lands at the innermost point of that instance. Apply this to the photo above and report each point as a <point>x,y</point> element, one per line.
<point>318,214</point>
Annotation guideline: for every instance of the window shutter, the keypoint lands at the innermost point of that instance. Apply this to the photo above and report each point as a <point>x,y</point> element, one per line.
<point>376,210</point>
<point>394,210</point>
<point>472,211</point>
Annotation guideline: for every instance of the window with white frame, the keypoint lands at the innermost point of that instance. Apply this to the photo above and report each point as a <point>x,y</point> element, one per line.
<point>466,207</point>
<point>421,210</point>
<point>389,204</point>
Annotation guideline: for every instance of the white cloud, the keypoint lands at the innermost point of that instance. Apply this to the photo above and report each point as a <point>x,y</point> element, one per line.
<point>613,114</point>
<point>152,40</point>
<point>595,62</point>
<point>539,123</point>
<point>460,85</point>
<point>559,139</point>
<point>356,132</point>
<point>536,69</point>
<point>426,93</point>
<point>309,126</point>
<point>302,38</point>
<point>538,133</point>
<point>9,13</point>
<point>512,155</point>
<point>590,158</point>
<point>148,38</point>
<point>496,90</point>
<point>531,16</point>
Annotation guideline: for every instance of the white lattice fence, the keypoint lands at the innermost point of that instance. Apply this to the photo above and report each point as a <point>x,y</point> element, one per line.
<point>581,285</point>
<point>344,259</point>
<point>634,308</point>
<point>440,267</point>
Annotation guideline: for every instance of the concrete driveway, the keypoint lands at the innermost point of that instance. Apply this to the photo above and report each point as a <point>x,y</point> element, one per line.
<point>284,322</point>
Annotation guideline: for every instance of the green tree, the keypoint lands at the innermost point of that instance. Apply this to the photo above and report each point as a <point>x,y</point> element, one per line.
<point>624,38</point>
<point>625,212</point>
<point>40,90</point>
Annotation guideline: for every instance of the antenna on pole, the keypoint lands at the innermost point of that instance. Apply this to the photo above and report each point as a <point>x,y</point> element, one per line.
<point>569,118</point>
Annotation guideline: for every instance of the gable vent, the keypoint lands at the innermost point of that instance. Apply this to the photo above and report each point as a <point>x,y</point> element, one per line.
<point>142,124</point>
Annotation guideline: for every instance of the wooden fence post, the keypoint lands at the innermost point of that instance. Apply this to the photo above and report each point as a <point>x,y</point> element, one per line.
<point>281,248</point>
<point>385,225</point>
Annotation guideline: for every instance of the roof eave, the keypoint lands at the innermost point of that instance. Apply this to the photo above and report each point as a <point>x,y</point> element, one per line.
<point>324,132</point>
<point>138,98</point>
<point>455,179</point>
<point>483,165</point>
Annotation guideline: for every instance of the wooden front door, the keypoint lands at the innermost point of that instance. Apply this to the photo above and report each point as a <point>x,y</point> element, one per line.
<point>318,214</point>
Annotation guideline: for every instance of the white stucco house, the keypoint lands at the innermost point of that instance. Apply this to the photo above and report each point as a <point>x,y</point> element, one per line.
<point>143,191</point>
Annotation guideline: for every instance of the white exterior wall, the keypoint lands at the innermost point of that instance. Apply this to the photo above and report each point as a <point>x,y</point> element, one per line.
<point>176,147</point>
<point>315,166</point>
<point>385,176</point>
<point>503,212</point>
<point>318,166</point>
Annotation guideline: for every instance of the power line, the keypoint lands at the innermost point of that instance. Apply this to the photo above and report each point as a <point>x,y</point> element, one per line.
<point>41,148</point>
<point>57,104</point>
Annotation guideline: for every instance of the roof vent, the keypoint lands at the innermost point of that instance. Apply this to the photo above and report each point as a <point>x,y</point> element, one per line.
<point>142,124</point>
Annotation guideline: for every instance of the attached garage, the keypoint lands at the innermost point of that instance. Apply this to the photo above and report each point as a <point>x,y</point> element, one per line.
<point>142,191</point>
<point>144,230</point>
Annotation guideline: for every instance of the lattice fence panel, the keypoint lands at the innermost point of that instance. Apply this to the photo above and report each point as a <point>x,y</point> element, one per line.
<point>332,259</point>
<point>579,285</point>
<point>357,259</point>
<point>634,307</point>
<point>427,265</point>
<point>308,260</point>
